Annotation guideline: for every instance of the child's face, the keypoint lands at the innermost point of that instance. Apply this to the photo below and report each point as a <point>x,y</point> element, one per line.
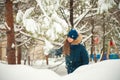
<point>70,39</point>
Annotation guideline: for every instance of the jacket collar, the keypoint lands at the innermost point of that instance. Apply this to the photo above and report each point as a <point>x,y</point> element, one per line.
<point>77,41</point>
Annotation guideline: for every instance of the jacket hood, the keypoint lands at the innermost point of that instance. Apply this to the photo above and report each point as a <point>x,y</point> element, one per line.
<point>78,40</point>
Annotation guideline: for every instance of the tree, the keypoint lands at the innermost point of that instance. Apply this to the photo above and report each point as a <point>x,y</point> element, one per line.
<point>71,13</point>
<point>117,10</point>
<point>10,32</point>
<point>104,39</point>
<point>0,51</point>
<point>19,54</point>
<point>92,40</point>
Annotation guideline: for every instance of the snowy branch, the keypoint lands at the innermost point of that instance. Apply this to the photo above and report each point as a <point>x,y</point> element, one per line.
<point>41,7</point>
<point>109,32</point>
<point>83,26</point>
<point>7,27</point>
<point>79,19</point>
<point>41,39</point>
<point>2,30</point>
<point>17,34</point>
<point>18,29</point>
<point>85,30</point>
<point>84,40</point>
<point>65,18</point>
<point>57,43</point>
<point>24,42</point>
<point>117,30</point>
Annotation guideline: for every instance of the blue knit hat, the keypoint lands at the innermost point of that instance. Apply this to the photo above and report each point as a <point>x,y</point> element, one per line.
<point>72,34</point>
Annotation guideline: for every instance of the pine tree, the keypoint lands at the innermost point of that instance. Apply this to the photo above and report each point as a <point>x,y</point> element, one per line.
<point>10,32</point>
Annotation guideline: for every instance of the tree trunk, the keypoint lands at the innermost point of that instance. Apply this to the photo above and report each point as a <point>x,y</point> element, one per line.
<point>0,51</point>
<point>19,54</point>
<point>108,50</point>
<point>71,13</point>
<point>46,57</point>
<point>103,38</point>
<point>104,54</point>
<point>29,60</point>
<point>92,41</point>
<point>10,33</point>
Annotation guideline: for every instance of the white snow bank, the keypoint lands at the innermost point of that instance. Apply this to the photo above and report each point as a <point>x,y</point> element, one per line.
<point>105,70</point>
<point>22,72</point>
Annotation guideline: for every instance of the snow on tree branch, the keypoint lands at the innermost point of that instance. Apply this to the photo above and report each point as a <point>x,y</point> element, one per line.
<point>19,16</point>
<point>83,26</point>
<point>77,20</point>
<point>105,5</point>
<point>27,13</point>
<point>47,47</point>
<point>24,42</point>
<point>7,27</point>
<point>86,38</point>
<point>41,7</point>
<point>109,31</point>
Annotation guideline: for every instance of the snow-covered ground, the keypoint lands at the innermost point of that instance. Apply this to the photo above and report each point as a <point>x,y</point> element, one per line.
<point>21,72</point>
<point>104,70</point>
<point>56,65</point>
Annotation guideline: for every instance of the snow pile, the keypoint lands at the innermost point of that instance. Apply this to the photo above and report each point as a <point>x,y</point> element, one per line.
<point>22,72</point>
<point>105,70</point>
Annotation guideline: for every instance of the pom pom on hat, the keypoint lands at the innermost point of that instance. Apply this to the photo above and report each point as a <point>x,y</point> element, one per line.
<point>73,34</point>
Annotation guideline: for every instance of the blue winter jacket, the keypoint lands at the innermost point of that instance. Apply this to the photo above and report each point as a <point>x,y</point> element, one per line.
<point>78,56</point>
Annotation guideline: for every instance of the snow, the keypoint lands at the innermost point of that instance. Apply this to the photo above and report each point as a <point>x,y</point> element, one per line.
<point>49,24</point>
<point>51,34</point>
<point>105,5</point>
<point>47,47</point>
<point>28,12</point>
<point>31,25</point>
<point>58,28</point>
<point>59,20</point>
<point>19,16</point>
<point>104,70</point>
<point>21,72</point>
<point>119,5</point>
